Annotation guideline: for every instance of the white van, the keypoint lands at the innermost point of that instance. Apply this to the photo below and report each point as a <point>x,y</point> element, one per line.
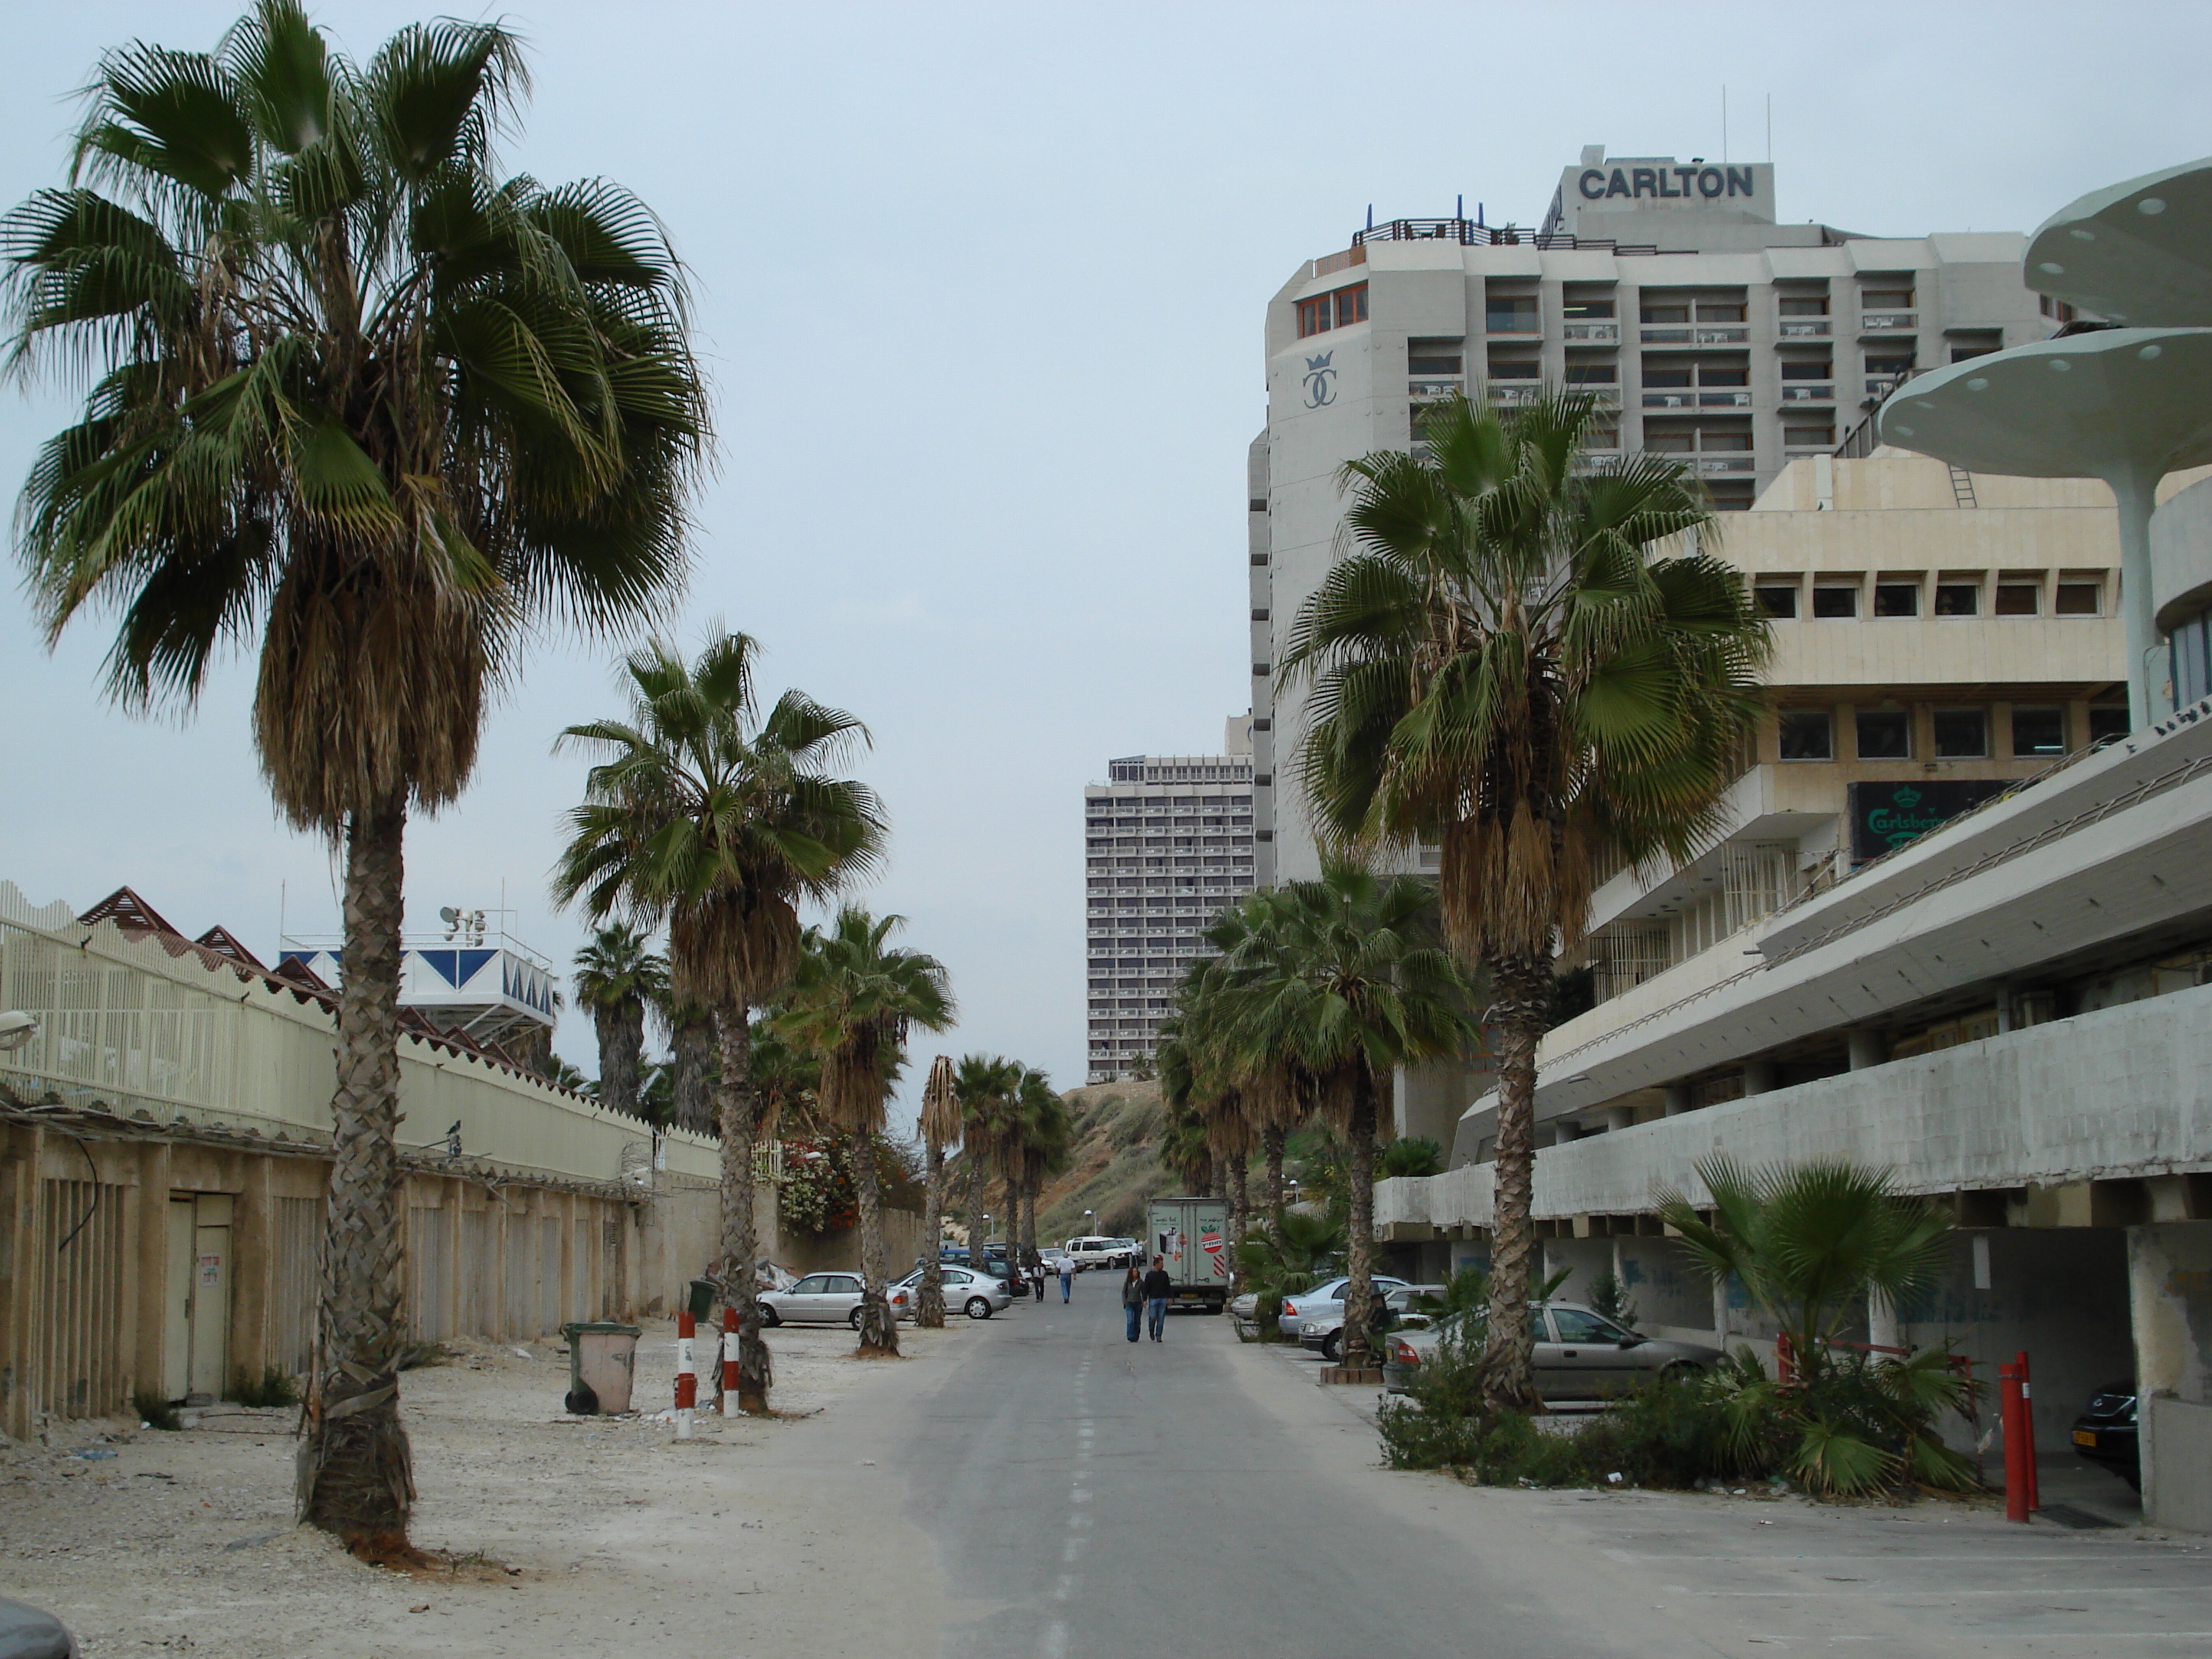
<point>1098,1252</point>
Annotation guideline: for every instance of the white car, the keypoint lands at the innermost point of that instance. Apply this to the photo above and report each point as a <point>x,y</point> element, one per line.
<point>1101,1252</point>
<point>1325,1298</point>
<point>1323,1332</point>
<point>977,1295</point>
<point>828,1299</point>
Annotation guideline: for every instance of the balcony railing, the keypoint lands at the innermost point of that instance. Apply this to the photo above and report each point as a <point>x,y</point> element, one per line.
<point>1668,335</point>
<point>1804,391</point>
<point>1724,463</point>
<point>1514,392</point>
<point>1883,322</point>
<point>1881,385</point>
<point>1501,323</point>
<point>1803,328</point>
<point>1700,334</point>
<point>1592,333</point>
<point>1435,386</point>
<point>1693,397</point>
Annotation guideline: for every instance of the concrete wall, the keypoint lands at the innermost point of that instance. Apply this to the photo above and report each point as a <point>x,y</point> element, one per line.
<point>2170,1284</point>
<point>839,1251</point>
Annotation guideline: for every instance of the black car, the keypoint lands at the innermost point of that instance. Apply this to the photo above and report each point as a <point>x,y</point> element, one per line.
<point>27,1633</point>
<point>2105,1433</point>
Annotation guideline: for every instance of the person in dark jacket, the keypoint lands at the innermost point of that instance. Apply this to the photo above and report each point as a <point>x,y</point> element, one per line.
<point>1157,1288</point>
<point>1133,1299</point>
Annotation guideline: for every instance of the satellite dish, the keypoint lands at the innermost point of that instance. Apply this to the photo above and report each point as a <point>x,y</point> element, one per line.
<point>447,915</point>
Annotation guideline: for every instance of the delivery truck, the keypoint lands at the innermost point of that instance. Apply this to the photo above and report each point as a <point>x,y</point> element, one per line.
<point>1191,1237</point>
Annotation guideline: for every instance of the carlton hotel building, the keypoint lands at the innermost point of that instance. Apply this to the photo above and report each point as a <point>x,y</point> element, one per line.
<point>1715,333</point>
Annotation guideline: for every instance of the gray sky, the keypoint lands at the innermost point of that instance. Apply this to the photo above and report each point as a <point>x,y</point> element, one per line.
<point>981,293</point>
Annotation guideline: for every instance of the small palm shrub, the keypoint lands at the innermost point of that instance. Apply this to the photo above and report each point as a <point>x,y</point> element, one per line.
<point>273,1388</point>
<point>1411,1155</point>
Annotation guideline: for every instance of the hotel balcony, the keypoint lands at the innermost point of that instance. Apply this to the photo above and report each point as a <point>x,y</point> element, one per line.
<point>1591,333</point>
<point>1887,322</point>
<point>1803,391</point>
<point>1803,328</point>
<point>1692,397</point>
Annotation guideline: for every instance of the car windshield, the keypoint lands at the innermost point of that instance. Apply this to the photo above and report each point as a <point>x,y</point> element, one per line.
<point>1580,1325</point>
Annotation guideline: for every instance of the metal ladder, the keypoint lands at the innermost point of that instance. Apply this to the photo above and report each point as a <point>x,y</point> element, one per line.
<point>1962,487</point>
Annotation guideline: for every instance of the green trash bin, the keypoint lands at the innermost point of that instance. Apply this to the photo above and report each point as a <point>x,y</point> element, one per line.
<point>701,1295</point>
<point>602,1359</point>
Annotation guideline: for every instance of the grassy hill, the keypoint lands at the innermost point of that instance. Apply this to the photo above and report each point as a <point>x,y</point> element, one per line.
<point>1115,1171</point>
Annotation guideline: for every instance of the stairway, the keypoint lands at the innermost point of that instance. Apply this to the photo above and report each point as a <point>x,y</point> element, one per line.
<point>1962,487</point>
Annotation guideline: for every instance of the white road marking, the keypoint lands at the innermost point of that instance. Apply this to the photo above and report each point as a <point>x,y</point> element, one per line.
<point>1055,1645</point>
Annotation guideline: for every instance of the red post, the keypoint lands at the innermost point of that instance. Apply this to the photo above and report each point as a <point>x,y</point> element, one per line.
<point>2018,1448</point>
<point>729,1362</point>
<point>2027,1432</point>
<point>687,1373</point>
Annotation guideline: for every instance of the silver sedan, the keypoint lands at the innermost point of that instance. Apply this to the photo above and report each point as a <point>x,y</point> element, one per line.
<point>827,1299</point>
<point>1580,1354</point>
<point>977,1295</point>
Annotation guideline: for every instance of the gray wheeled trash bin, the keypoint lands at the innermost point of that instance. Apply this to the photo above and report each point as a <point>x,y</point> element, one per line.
<point>601,1358</point>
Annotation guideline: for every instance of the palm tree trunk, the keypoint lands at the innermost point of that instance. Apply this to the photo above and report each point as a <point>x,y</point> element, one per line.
<point>1270,1141</point>
<point>1239,1208</point>
<point>1360,1227</point>
<point>692,1042</point>
<point>878,1330</point>
<point>929,1304</point>
<point>1029,1221</point>
<point>621,1027</point>
<point>734,1107</point>
<point>975,1208</point>
<point>356,1476</point>
<point>1521,988</point>
<point>1010,1226</point>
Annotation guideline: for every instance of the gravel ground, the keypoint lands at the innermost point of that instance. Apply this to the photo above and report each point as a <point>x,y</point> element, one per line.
<point>558,1527</point>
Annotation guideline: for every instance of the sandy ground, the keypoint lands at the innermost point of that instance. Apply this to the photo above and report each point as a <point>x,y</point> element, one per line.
<point>728,1544</point>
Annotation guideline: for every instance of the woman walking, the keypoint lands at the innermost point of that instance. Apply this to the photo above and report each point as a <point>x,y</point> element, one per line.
<point>1133,1299</point>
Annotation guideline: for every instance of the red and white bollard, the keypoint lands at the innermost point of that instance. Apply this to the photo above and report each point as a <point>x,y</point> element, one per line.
<point>687,1373</point>
<point>2016,1398</point>
<point>729,1362</point>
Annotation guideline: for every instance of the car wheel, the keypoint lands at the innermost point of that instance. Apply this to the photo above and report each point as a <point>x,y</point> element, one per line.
<point>978,1307</point>
<point>1681,1371</point>
<point>1332,1346</point>
<point>769,1318</point>
<point>854,1317</point>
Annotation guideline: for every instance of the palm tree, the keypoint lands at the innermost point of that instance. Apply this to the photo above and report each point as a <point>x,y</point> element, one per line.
<point>1043,1149</point>
<point>615,978</point>
<point>1348,985</point>
<point>940,1128</point>
<point>851,1003</point>
<point>691,1062</point>
<point>302,300</point>
<point>706,815</point>
<point>1274,1096</point>
<point>985,1085</point>
<point>1501,667</point>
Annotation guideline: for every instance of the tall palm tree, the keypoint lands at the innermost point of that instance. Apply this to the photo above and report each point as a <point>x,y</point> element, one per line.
<point>940,1128</point>
<point>1274,1095</point>
<point>358,399</point>
<point>1505,667</point>
<point>851,1003</point>
<point>985,1085</point>
<point>691,1063</point>
<point>617,977</point>
<point>1043,1149</point>
<point>1351,984</point>
<point>706,816</point>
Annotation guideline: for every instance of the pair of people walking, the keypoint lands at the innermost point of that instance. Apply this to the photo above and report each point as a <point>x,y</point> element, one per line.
<point>1146,1295</point>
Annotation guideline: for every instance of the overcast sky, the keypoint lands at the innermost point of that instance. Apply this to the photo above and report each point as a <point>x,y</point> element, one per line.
<point>981,291</point>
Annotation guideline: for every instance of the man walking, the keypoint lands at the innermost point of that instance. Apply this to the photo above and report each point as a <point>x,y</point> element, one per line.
<point>1066,1277</point>
<point>1157,1287</point>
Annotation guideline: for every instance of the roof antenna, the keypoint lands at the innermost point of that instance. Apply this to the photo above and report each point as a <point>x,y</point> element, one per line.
<point>1370,215</point>
<point>1459,207</point>
<point>1478,213</point>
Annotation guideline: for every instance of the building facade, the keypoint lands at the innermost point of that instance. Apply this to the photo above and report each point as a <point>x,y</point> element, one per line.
<point>1167,844</point>
<point>1714,332</point>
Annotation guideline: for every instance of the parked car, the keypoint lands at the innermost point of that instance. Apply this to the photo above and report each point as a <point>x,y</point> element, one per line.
<point>27,1633</point>
<point>1097,1250</point>
<point>827,1299</point>
<point>1325,1297</point>
<point>1580,1353</point>
<point>966,1291</point>
<point>2105,1433</point>
<point>1323,1332</point>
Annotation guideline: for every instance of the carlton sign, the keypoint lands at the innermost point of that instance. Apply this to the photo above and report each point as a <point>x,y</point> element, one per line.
<point>1669,183</point>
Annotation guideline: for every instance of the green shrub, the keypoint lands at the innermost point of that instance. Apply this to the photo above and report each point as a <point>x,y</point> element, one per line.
<point>155,1412</point>
<point>1411,1155</point>
<point>274,1388</point>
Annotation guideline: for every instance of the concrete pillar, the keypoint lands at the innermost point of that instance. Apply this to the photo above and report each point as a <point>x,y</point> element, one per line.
<point>1758,1076</point>
<point>152,1301</point>
<point>1720,1314</point>
<point>1617,1118</point>
<point>1869,1047</point>
<point>1677,1099</point>
<point>1882,1322</point>
<point>1563,1131</point>
<point>253,1268</point>
<point>2170,1305</point>
<point>20,1193</point>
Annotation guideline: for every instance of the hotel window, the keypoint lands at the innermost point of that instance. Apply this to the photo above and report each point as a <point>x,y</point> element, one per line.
<point>2059,311</point>
<point>1578,309</point>
<point>1591,373</point>
<point>1886,299</point>
<point>1967,343</point>
<point>2076,598</point>
<point>1340,309</point>
<point>2038,730</point>
<point>1896,597</point>
<point>1776,596</point>
<point>1665,371</point>
<point>1808,368</point>
<point>1805,305</point>
<point>1665,313</point>
<point>1514,368</point>
<point>2107,721</point>
<point>1433,357</point>
<point>1834,599</point>
<point>1958,598</point>
<point>1962,733</point>
<point>1510,313</point>
<point>1805,734</point>
<point>1720,310</point>
<point>1808,437</point>
<point>2018,597</point>
<point>1892,364</point>
<point>1601,437</point>
<point>1884,734</point>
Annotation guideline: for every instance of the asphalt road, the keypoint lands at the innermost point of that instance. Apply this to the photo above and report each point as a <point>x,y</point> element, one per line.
<point>1089,1496</point>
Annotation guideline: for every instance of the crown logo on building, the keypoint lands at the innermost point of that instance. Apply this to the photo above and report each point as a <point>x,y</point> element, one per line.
<point>1315,365</point>
<point>1908,796</point>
